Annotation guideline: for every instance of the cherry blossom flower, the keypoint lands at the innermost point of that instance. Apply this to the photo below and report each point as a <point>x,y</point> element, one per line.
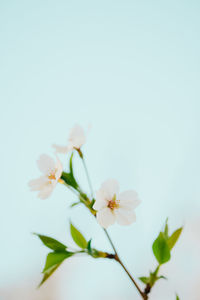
<point>113,206</point>
<point>76,139</point>
<point>52,172</point>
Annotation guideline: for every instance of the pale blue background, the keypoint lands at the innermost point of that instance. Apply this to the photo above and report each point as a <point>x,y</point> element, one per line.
<point>131,69</point>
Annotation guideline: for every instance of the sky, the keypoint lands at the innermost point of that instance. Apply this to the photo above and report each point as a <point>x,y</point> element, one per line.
<point>130,70</point>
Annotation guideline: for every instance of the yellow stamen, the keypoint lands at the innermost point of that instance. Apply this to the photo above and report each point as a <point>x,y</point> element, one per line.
<point>114,203</point>
<point>61,181</point>
<point>52,176</point>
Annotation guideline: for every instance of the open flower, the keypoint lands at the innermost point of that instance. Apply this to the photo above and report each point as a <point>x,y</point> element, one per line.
<point>113,206</point>
<point>52,172</point>
<point>76,139</point>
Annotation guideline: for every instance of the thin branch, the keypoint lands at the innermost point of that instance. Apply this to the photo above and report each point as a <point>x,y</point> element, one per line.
<point>116,257</point>
<point>88,177</point>
<point>114,249</point>
<point>143,295</point>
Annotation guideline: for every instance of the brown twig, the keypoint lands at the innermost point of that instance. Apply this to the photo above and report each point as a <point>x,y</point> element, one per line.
<point>143,295</point>
<point>116,257</point>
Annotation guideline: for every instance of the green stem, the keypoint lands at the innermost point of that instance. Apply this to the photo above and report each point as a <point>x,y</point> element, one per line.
<point>88,177</point>
<point>114,249</point>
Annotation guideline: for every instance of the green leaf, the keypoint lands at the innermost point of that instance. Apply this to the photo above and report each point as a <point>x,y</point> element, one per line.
<point>161,249</point>
<point>78,237</point>
<point>69,177</point>
<point>166,230</point>
<point>152,279</point>
<point>94,252</point>
<point>162,277</point>
<point>51,243</point>
<point>75,203</point>
<point>177,297</point>
<point>69,180</point>
<point>89,247</point>
<point>54,259</point>
<point>156,271</point>
<point>47,274</point>
<point>144,279</point>
<point>174,238</point>
<point>92,203</point>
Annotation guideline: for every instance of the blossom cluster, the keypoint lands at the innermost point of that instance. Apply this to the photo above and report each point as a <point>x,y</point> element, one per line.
<point>109,204</point>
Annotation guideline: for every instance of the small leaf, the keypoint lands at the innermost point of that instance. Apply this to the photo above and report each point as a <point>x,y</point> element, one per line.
<point>89,247</point>
<point>69,180</point>
<point>75,203</point>
<point>69,177</point>
<point>78,237</point>
<point>92,203</point>
<point>174,238</point>
<point>162,277</point>
<point>156,271</point>
<point>161,249</point>
<point>94,252</point>
<point>166,230</point>
<point>177,297</point>
<point>55,258</point>
<point>47,274</point>
<point>144,279</point>
<point>51,243</point>
<point>152,278</point>
<point>83,198</point>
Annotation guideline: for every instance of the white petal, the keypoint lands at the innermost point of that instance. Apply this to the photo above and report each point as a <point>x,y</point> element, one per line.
<point>60,149</point>
<point>77,136</point>
<point>46,163</point>
<point>37,184</point>
<point>124,217</point>
<point>105,217</point>
<point>129,199</point>
<point>59,168</point>
<point>71,145</point>
<point>100,200</point>
<point>110,187</point>
<point>46,191</point>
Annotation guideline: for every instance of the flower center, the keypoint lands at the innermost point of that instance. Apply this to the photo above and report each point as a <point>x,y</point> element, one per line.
<point>113,203</point>
<point>52,176</point>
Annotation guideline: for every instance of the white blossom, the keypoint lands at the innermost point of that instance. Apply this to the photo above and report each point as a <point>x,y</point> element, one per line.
<point>76,139</point>
<point>113,206</point>
<point>52,171</point>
